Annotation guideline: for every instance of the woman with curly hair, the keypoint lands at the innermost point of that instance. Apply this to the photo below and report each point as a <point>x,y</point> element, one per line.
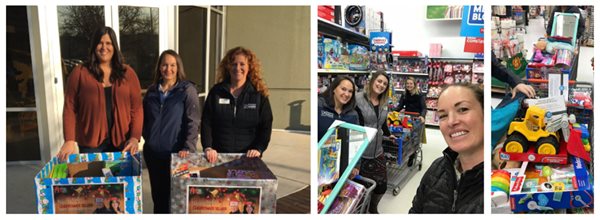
<point>237,116</point>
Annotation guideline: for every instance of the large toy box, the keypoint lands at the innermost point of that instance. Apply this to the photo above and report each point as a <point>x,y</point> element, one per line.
<point>234,184</point>
<point>91,183</point>
<point>548,187</point>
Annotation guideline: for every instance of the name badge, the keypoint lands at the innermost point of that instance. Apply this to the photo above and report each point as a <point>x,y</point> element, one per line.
<point>224,101</point>
<point>327,114</point>
<point>250,106</point>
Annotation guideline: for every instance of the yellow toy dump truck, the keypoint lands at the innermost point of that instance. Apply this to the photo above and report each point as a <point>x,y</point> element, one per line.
<point>531,129</point>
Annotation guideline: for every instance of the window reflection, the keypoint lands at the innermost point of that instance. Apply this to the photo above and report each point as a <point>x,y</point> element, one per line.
<point>139,40</point>
<point>19,74</point>
<point>76,24</point>
<point>192,43</point>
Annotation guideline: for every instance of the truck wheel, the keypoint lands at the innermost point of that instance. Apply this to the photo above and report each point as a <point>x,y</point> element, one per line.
<point>547,145</point>
<point>516,143</point>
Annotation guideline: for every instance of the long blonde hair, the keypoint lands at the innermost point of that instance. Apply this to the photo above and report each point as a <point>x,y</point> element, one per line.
<point>415,90</point>
<point>254,70</point>
<point>383,97</point>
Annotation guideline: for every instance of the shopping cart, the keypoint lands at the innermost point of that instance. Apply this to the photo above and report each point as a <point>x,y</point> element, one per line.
<point>363,204</point>
<point>404,155</point>
<point>579,103</point>
<point>519,16</point>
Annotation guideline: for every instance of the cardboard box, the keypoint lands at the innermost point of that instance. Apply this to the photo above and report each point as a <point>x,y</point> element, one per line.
<point>230,185</point>
<point>548,187</point>
<point>92,184</point>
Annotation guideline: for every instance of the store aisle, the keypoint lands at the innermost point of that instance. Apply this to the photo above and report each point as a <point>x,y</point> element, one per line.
<point>403,201</point>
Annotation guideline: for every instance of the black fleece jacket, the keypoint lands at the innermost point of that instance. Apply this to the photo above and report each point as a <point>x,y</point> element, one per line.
<point>439,191</point>
<point>236,125</point>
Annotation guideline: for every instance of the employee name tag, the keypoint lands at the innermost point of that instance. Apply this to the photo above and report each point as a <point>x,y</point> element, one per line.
<point>223,101</point>
<point>250,106</point>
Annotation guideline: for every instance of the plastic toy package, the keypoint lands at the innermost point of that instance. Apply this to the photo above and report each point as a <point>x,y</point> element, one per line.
<point>581,98</point>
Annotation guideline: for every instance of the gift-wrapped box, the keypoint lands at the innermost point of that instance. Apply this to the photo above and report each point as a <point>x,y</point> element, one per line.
<point>90,183</point>
<point>234,184</point>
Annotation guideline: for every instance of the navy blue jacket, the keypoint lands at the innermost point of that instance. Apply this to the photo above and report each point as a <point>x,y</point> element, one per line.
<point>173,125</point>
<point>231,125</point>
<point>327,114</point>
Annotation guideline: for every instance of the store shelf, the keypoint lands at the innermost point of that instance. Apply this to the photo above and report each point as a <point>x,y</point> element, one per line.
<point>401,90</point>
<point>432,124</point>
<point>332,29</point>
<point>338,71</point>
<point>455,58</point>
<point>443,19</point>
<point>407,74</point>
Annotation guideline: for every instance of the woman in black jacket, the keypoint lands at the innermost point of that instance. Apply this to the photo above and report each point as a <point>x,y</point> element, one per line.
<point>413,100</point>
<point>338,102</point>
<point>171,119</point>
<point>454,182</point>
<point>237,116</point>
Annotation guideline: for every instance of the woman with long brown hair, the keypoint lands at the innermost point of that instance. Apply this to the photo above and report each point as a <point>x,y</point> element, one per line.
<point>103,102</point>
<point>171,119</point>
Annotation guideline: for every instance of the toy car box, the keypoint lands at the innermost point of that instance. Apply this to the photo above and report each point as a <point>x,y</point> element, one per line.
<point>90,183</point>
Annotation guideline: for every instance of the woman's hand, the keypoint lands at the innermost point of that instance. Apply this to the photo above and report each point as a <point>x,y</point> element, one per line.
<point>354,173</point>
<point>421,118</point>
<point>525,89</point>
<point>184,153</point>
<point>211,155</point>
<point>67,149</point>
<point>253,153</point>
<point>131,146</point>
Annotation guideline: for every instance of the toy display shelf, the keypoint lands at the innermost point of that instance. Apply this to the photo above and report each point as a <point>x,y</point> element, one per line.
<point>332,29</point>
<point>455,58</point>
<point>444,19</point>
<point>531,156</point>
<point>407,74</point>
<point>340,71</point>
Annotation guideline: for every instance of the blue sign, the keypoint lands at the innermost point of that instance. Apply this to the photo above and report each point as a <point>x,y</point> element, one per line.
<point>472,21</point>
<point>380,41</point>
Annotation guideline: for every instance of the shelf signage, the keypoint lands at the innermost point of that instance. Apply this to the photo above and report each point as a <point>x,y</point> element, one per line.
<point>380,41</point>
<point>473,45</point>
<point>472,21</point>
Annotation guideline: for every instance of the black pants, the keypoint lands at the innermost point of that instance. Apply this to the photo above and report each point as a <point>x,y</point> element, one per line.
<point>160,181</point>
<point>375,169</point>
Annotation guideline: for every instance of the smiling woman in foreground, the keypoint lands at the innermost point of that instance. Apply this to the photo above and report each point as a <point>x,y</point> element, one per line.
<point>454,182</point>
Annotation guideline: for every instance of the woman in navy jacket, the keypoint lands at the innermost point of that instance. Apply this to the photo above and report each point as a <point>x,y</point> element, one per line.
<point>171,119</point>
<point>237,116</point>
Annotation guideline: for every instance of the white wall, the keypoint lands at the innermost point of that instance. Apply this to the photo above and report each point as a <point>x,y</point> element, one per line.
<point>411,31</point>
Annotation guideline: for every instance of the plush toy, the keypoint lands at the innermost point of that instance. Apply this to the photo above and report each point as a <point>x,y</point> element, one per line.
<point>539,47</point>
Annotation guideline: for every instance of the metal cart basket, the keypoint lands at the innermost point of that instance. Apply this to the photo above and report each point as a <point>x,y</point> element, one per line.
<point>404,155</point>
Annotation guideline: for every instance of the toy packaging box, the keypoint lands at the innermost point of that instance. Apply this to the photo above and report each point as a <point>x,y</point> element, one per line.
<point>332,57</point>
<point>90,183</point>
<point>359,57</point>
<point>234,184</point>
<point>348,199</point>
<point>540,187</point>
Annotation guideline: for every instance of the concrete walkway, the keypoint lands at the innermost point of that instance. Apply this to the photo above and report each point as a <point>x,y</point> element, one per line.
<point>288,156</point>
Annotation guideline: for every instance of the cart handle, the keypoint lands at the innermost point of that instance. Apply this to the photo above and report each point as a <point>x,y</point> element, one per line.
<point>571,82</point>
